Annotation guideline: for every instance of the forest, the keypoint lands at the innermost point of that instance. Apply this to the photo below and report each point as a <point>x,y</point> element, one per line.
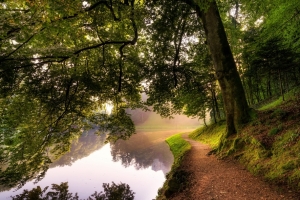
<point>63,62</point>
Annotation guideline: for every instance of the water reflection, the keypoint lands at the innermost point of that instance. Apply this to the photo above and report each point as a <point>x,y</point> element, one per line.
<point>143,150</point>
<point>145,156</point>
<point>16,175</point>
<point>89,142</point>
<point>28,154</point>
<point>86,170</point>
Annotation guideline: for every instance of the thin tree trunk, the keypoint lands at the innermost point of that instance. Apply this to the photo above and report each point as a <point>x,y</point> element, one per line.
<point>257,94</point>
<point>250,87</point>
<point>269,85</point>
<point>262,91</point>
<point>213,105</point>
<point>246,93</point>
<point>281,85</point>
<point>216,105</point>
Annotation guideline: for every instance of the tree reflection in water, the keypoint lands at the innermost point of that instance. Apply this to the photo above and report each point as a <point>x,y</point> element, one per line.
<point>17,174</point>
<point>28,156</point>
<point>142,151</point>
<point>89,142</point>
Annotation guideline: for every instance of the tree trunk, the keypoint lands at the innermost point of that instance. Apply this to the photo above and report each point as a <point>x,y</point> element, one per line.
<point>213,105</point>
<point>281,85</point>
<point>269,85</point>
<point>250,89</point>
<point>216,104</point>
<point>225,68</point>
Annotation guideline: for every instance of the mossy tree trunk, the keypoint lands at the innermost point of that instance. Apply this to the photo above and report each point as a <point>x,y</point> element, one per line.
<point>233,93</point>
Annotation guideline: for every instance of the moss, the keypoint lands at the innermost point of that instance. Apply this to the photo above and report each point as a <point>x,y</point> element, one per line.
<point>295,176</point>
<point>232,146</point>
<point>273,131</point>
<point>289,165</point>
<point>279,114</point>
<point>178,182</point>
<point>275,163</point>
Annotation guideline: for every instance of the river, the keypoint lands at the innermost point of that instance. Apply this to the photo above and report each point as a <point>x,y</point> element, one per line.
<point>141,162</point>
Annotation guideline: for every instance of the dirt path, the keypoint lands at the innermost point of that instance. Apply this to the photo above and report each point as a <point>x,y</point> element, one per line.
<point>220,179</point>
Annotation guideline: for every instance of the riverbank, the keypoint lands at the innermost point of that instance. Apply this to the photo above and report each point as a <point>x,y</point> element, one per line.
<point>175,179</point>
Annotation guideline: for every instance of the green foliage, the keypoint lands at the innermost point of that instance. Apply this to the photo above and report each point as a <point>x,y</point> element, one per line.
<point>62,61</point>
<point>111,192</point>
<point>114,192</point>
<point>59,192</point>
<point>118,124</point>
<point>268,62</point>
<point>178,64</point>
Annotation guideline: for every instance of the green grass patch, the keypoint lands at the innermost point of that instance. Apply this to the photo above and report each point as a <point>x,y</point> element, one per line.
<point>210,135</point>
<point>272,104</point>
<point>288,96</point>
<point>178,145</point>
<point>176,178</point>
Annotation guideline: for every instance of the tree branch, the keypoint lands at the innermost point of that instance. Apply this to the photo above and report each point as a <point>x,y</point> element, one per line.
<point>132,42</point>
<point>14,51</point>
<point>77,52</point>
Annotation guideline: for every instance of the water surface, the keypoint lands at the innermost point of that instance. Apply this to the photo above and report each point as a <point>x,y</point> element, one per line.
<point>142,161</point>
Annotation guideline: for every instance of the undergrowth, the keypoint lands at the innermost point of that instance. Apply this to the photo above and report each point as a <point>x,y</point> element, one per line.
<point>176,178</point>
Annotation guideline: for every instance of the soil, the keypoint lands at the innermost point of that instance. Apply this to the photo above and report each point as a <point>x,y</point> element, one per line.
<point>211,178</point>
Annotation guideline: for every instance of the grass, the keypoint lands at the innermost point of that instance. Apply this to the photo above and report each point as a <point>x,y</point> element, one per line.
<point>273,104</point>
<point>288,96</point>
<point>178,146</point>
<point>210,135</point>
<point>176,178</point>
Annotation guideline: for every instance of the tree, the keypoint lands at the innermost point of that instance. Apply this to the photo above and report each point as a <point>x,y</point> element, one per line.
<point>270,47</point>
<point>59,65</point>
<point>226,72</point>
<point>234,99</point>
<point>111,192</point>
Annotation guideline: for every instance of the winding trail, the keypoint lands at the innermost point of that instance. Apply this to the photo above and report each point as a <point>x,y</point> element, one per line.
<point>216,179</point>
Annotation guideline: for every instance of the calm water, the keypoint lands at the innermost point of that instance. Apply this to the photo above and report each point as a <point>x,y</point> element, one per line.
<point>142,162</point>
